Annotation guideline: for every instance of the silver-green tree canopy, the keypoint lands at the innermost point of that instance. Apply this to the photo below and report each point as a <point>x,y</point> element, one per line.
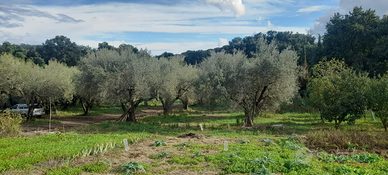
<point>36,84</point>
<point>122,76</point>
<point>174,81</point>
<point>88,88</point>
<point>254,84</point>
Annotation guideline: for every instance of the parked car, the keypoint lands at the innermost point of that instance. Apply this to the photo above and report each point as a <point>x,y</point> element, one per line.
<point>22,109</point>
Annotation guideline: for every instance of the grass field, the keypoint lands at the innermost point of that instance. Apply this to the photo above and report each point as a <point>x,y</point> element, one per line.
<point>290,143</point>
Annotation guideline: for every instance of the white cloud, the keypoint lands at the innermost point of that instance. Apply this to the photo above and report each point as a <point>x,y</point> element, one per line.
<point>223,42</point>
<point>312,9</point>
<point>106,21</point>
<point>235,5</point>
<point>381,6</point>
<point>345,6</point>
<point>320,23</point>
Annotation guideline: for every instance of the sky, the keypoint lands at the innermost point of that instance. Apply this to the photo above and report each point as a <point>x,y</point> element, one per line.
<point>166,25</point>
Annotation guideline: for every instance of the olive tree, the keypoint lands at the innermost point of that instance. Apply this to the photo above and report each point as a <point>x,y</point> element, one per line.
<point>122,76</point>
<point>88,85</point>
<point>377,96</point>
<point>256,84</point>
<point>174,81</point>
<point>11,72</point>
<point>36,84</point>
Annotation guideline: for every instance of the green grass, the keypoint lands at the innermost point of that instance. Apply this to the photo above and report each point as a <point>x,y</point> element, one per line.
<point>98,167</point>
<point>41,121</point>
<point>22,152</point>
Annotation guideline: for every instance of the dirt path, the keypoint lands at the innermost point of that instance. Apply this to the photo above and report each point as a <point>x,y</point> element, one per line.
<point>69,122</point>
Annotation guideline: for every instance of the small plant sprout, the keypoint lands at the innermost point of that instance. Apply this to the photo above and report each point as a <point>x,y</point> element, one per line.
<point>162,154</point>
<point>184,144</point>
<point>126,145</point>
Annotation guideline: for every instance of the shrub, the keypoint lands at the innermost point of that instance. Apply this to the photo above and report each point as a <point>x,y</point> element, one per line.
<point>10,123</point>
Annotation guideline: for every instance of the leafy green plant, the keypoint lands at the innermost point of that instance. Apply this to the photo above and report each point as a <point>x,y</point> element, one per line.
<point>245,141</point>
<point>364,158</point>
<point>184,144</point>
<point>233,155</point>
<point>198,153</point>
<point>264,161</point>
<point>132,167</point>
<point>268,141</point>
<point>159,143</point>
<point>345,169</point>
<point>262,171</point>
<point>162,154</point>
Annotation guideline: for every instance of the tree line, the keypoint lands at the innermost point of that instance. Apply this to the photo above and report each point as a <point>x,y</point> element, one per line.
<point>339,73</point>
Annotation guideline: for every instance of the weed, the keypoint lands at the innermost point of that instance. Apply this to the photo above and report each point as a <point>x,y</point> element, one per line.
<point>10,123</point>
<point>352,146</point>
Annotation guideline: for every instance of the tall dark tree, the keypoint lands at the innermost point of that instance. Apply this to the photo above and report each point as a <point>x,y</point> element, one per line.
<point>105,45</point>
<point>354,37</point>
<point>195,57</point>
<point>165,55</point>
<point>63,50</point>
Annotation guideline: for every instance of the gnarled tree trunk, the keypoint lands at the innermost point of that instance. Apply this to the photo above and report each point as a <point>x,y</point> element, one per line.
<point>185,103</point>
<point>129,112</point>
<point>167,106</point>
<point>86,106</point>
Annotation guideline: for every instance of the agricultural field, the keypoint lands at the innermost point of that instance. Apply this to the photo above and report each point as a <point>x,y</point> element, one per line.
<point>289,143</point>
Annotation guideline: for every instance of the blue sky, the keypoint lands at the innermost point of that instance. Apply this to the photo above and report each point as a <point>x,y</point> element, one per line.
<point>166,25</point>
